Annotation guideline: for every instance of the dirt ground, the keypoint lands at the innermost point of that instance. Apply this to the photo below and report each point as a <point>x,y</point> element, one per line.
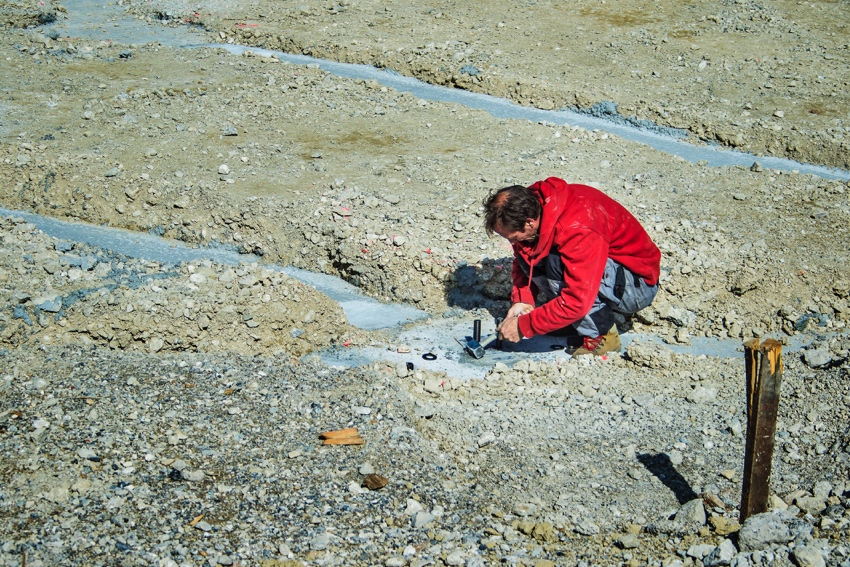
<point>354,179</point>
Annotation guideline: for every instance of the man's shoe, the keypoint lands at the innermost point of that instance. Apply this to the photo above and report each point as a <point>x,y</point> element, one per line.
<point>601,344</point>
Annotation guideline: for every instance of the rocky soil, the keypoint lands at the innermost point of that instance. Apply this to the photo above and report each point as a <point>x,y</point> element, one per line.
<point>254,153</point>
<point>169,414</point>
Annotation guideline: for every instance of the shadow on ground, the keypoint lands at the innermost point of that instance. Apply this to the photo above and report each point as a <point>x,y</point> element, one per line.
<point>662,468</point>
<point>486,285</point>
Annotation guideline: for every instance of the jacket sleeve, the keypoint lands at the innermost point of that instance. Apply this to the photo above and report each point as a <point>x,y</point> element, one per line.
<point>521,292</point>
<point>584,255</point>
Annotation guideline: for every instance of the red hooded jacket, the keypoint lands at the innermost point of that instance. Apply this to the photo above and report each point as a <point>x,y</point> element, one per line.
<point>586,227</point>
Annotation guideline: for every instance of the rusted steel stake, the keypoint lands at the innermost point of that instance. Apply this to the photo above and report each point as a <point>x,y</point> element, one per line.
<point>764,380</point>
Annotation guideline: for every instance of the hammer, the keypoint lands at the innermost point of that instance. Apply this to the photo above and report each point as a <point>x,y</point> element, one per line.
<point>474,345</point>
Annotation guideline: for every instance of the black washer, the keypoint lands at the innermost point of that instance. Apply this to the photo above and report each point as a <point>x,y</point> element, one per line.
<point>429,356</point>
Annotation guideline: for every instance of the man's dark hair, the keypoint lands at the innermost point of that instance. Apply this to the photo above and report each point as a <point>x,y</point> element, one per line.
<point>510,207</point>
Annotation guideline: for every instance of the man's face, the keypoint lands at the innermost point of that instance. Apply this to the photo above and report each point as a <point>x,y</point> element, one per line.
<point>528,234</point>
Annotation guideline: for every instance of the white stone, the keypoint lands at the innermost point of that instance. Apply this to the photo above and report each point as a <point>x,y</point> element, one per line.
<point>808,556</point>
<point>413,506</point>
<point>487,438</point>
<point>193,476</point>
<point>433,385</point>
<point>422,519</point>
<point>700,550</point>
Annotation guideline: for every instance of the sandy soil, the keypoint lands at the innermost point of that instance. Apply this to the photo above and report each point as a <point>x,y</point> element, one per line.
<point>766,77</point>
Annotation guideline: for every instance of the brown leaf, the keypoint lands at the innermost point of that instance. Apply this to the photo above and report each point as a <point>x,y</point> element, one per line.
<point>374,481</point>
<point>350,432</point>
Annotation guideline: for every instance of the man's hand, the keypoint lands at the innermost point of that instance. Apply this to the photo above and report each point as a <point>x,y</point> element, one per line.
<point>518,309</point>
<point>509,330</point>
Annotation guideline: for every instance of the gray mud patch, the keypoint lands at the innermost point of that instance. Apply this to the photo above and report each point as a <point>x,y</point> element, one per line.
<point>92,20</point>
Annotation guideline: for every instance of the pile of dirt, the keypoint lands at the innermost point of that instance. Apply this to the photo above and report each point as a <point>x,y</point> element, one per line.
<point>60,292</point>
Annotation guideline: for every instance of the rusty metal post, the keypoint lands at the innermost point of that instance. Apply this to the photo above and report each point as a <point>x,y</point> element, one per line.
<point>764,380</point>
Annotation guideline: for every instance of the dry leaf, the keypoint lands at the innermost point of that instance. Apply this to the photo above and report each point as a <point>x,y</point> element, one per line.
<point>342,437</point>
<point>374,481</point>
<point>350,432</point>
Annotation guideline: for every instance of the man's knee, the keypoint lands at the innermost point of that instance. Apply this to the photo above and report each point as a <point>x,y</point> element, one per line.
<point>625,291</point>
<point>636,298</point>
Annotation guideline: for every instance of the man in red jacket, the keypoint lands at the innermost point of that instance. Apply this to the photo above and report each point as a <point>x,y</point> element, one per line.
<point>579,251</point>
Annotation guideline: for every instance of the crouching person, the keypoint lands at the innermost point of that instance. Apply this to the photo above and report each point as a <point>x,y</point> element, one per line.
<point>581,252</point>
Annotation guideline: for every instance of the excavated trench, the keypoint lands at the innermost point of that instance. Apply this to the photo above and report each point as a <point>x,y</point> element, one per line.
<point>414,338</point>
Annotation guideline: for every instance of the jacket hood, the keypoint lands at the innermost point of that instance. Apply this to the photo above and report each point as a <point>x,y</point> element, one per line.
<point>552,194</point>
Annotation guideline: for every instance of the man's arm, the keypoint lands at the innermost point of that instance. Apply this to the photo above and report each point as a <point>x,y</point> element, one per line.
<point>522,296</point>
<point>584,256</point>
<point>521,292</point>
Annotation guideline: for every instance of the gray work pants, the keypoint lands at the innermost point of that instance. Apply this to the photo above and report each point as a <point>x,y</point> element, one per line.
<point>620,291</point>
